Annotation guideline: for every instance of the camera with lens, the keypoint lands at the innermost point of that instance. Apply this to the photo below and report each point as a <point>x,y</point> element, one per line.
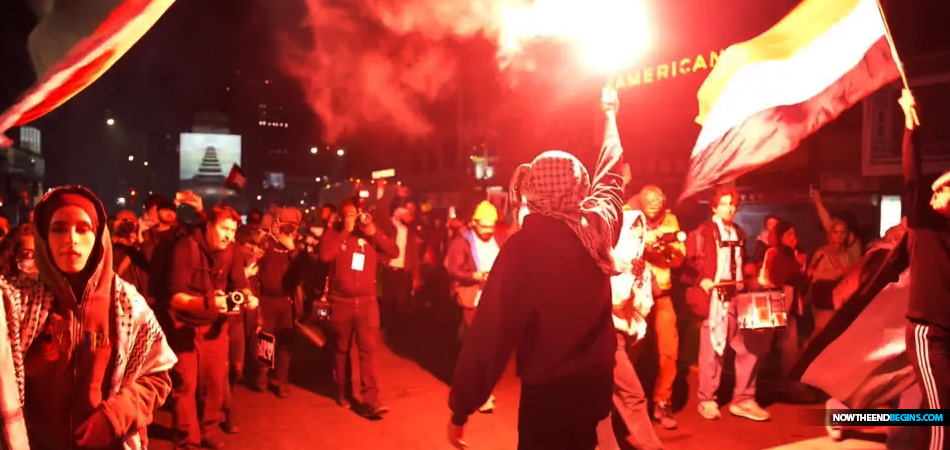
<point>126,229</point>
<point>669,238</point>
<point>365,218</point>
<point>235,300</point>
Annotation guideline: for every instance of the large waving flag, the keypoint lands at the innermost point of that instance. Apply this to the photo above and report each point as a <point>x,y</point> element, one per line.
<point>767,94</point>
<point>73,45</point>
<point>860,357</point>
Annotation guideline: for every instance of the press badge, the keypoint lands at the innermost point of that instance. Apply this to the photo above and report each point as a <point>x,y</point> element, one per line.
<point>358,260</point>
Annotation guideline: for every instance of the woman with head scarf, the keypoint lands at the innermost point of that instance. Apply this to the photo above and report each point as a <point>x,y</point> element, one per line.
<point>86,357</point>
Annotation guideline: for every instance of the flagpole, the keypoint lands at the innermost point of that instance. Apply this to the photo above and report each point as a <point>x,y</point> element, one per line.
<point>897,59</point>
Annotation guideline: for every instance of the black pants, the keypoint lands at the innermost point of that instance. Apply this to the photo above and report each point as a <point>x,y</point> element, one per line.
<point>359,319</point>
<point>278,320</point>
<point>928,347</point>
<point>397,297</point>
<point>198,380</point>
<point>563,414</point>
<point>241,331</point>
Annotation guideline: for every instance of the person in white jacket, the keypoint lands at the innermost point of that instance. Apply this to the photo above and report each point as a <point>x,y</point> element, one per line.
<point>632,292</point>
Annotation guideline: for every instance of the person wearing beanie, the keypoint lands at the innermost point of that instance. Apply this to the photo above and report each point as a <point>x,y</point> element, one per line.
<point>89,361</point>
<point>784,269</point>
<point>548,295</point>
<point>282,268</point>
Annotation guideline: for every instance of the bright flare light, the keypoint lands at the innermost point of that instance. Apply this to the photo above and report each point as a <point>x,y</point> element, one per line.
<point>608,34</point>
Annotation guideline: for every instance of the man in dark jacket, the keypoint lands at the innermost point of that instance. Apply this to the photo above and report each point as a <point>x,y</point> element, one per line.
<point>206,268</point>
<point>712,273</point>
<point>351,250</point>
<point>549,295</point>
<point>396,220</point>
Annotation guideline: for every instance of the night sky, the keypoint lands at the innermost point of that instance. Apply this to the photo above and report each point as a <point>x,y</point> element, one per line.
<point>186,62</point>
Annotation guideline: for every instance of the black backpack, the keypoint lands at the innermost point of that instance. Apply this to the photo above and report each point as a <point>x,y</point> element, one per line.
<point>159,254</point>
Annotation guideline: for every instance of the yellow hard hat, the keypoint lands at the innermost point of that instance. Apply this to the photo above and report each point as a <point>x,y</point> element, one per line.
<point>485,213</point>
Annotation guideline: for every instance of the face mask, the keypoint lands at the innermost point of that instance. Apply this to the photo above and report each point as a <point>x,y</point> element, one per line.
<point>27,266</point>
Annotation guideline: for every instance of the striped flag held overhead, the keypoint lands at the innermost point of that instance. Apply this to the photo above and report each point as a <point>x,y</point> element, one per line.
<point>767,94</point>
<point>73,44</point>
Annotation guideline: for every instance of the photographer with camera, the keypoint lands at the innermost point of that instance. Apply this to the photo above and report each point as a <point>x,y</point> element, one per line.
<point>665,250</point>
<point>280,273</point>
<point>207,283</point>
<point>128,259</point>
<point>350,246</point>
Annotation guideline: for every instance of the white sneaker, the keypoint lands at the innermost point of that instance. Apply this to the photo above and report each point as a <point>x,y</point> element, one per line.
<point>749,409</point>
<point>709,410</point>
<point>489,406</point>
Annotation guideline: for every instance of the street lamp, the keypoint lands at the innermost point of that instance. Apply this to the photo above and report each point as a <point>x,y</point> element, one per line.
<point>258,198</point>
<point>340,152</point>
<point>110,121</point>
<point>146,163</point>
<point>313,150</point>
<point>131,158</point>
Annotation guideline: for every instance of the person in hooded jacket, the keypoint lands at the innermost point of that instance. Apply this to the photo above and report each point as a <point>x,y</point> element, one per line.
<point>86,357</point>
<point>549,296</point>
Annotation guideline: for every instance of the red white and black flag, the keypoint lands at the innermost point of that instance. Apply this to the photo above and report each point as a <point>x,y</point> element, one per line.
<point>72,45</point>
<point>860,357</point>
<point>756,105</point>
<point>236,179</point>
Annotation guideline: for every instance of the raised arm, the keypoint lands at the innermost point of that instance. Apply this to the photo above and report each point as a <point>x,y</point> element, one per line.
<point>610,175</point>
<point>917,195</point>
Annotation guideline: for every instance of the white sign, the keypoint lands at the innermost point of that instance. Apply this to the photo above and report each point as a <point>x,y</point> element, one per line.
<point>387,173</point>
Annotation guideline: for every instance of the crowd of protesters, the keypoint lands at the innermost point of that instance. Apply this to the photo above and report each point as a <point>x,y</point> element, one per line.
<point>134,310</point>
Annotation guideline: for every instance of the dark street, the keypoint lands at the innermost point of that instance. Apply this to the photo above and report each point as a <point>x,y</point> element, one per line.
<point>412,387</point>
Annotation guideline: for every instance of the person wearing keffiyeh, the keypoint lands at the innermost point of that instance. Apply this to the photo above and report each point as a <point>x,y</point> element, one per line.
<point>549,295</point>
<point>79,315</point>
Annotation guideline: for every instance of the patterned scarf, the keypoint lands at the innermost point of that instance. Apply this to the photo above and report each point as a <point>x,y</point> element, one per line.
<point>141,348</point>
<point>557,185</point>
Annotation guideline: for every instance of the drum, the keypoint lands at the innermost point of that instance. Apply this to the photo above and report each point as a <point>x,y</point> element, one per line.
<point>761,310</point>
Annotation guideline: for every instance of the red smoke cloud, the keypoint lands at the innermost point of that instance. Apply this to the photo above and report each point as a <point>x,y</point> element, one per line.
<point>367,65</point>
<point>376,64</point>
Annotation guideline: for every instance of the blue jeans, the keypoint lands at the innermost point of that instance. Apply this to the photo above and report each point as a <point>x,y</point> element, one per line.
<point>750,346</point>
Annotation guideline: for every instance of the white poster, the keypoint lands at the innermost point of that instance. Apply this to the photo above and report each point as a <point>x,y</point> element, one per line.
<point>206,159</point>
